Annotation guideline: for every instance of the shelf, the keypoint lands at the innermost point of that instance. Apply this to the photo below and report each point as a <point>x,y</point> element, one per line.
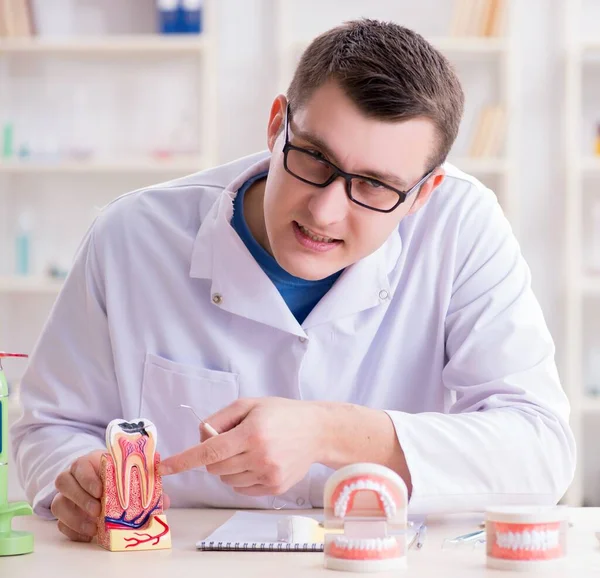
<point>590,48</point>
<point>486,166</point>
<point>591,284</point>
<point>182,165</point>
<point>81,46</point>
<point>589,405</point>
<point>41,285</point>
<point>590,164</point>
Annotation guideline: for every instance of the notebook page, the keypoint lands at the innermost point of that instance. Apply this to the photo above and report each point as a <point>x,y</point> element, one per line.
<point>248,527</point>
<point>256,530</point>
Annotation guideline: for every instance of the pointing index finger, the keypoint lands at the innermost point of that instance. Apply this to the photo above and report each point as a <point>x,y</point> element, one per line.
<point>213,450</point>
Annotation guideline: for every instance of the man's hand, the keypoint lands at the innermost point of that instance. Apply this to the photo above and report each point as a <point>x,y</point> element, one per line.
<point>267,445</point>
<point>77,505</point>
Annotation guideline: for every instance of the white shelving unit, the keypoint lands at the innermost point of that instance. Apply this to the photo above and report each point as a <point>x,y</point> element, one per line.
<point>15,174</point>
<point>582,286</point>
<point>498,51</point>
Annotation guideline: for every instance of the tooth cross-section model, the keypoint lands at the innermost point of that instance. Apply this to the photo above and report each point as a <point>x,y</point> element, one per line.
<point>132,516</point>
<point>369,502</point>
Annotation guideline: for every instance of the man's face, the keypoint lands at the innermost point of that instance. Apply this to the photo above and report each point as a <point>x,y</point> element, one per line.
<point>314,232</point>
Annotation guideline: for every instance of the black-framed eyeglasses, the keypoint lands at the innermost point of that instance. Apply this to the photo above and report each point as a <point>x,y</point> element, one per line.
<point>314,169</point>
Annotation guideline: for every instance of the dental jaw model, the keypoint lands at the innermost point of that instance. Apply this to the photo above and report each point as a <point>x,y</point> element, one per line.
<point>132,502</point>
<point>526,537</point>
<point>369,502</point>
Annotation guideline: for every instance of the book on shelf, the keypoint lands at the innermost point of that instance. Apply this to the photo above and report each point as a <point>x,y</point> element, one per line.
<point>16,19</point>
<point>480,18</point>
<point>488,136</point>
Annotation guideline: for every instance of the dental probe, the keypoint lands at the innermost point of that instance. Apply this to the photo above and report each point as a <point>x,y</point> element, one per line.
<point>209,428</point>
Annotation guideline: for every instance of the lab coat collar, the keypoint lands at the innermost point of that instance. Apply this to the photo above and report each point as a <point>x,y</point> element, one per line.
<point>244,288</point>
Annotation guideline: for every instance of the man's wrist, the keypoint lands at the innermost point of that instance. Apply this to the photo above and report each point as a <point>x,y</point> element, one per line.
<point>349,433</point>
<point>337,426</point>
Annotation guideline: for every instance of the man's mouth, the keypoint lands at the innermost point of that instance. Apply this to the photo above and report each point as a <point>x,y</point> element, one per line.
<point>317,238</point>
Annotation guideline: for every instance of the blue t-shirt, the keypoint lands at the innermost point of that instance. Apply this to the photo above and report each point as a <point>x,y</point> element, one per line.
<point>299,294</point>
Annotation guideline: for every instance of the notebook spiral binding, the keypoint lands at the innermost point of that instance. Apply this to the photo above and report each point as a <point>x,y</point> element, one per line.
<point>260,546</point>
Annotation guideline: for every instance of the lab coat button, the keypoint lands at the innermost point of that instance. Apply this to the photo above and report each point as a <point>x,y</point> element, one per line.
<point>300,501</point>
<point>302,339</point>
<point>217,298</point>
<point>383,295</point>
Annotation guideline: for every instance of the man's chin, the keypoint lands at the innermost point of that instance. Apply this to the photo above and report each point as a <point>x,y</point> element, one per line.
<point>307,271</point>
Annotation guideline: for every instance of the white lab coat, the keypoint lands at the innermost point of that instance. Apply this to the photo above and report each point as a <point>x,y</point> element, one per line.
<point>439,327</point>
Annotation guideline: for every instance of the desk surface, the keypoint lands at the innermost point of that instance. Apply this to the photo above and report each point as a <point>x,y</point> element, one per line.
<point>54,554</point>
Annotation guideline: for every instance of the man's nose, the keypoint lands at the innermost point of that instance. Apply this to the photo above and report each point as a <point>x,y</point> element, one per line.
<point>330,204</point>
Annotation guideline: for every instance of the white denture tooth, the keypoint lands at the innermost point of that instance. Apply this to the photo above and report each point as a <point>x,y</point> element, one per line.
<point>361,484</point>
<point>501,539</point>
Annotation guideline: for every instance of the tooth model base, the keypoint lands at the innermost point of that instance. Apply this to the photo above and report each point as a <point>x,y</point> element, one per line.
<point>136,528</point>
<point>365,565</point>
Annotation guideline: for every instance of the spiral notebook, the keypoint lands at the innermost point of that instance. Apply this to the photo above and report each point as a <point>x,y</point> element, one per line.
<point>257,532</point>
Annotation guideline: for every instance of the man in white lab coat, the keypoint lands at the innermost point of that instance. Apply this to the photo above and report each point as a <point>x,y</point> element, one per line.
<point>347,296</point>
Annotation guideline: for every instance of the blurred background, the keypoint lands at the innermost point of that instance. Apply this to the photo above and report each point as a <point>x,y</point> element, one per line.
<point>100,97</point>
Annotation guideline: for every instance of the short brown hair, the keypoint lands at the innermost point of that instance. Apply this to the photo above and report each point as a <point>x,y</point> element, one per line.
<point>389,72</point>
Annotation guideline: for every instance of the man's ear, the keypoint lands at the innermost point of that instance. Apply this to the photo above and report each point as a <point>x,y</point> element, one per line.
<point>276,120</point>
<point>432,183</point>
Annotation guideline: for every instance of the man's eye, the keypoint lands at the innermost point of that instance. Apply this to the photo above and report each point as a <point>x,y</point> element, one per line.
<point>317,154</point>
<point>374,184</point>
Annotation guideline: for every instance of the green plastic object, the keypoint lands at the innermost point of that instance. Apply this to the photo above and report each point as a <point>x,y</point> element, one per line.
<point>12,542</point>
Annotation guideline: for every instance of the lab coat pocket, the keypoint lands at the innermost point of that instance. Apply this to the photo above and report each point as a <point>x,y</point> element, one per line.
<point>168,384</point>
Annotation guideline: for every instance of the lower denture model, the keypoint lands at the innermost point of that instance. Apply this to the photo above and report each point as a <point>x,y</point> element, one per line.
<point>369,502</point>
<point>132,515</point>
